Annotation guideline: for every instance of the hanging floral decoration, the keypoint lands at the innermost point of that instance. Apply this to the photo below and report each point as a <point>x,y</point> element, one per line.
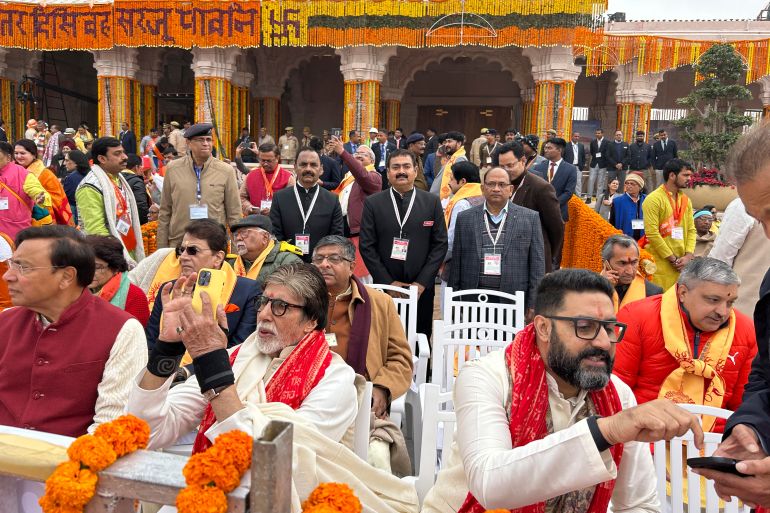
<point>655,53</point>
<point>212,474</point>
<point>332,498</point>
<point>72,485</point>
<point>150,237</point>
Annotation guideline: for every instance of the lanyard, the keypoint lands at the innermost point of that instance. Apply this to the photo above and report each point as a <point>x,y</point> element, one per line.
<point>519,187</point>
<point>198,172</point>
<point>499,230</point>
<point>305,216</point>
<point>677,208</point>
<point>269,185</point>
<point>122,207</point>
<point>401,223</point>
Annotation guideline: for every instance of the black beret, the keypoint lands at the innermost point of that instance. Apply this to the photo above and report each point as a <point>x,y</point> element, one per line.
<point>253,221</point>
<point>198,129</point>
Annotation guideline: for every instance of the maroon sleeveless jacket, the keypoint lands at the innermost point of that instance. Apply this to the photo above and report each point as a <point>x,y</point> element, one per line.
<point>49,376</point>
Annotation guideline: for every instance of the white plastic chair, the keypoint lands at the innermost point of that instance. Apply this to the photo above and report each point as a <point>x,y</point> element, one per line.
<point>456,344</point>
<point>673,456</point>
<point>407,312</point>
<point>478,305</point>
<point>435,414</point>
<point>363,423</point>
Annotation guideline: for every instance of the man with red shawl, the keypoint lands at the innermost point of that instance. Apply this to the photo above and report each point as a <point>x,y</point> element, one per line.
<point>544,426</point>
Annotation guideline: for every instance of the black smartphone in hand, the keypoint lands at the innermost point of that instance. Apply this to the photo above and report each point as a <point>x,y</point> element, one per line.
<point>726,465</point>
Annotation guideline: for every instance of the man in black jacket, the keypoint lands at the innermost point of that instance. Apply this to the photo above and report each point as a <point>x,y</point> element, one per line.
<point>747,432</point>
<point>640,157</point>
<point>127,139</point>
<point>617,159</point>
<point>382,148</point>
<point>306,213</point>
<point>663,150</point>
<point>332,170</point>
<point>575,154</point>
<point>403,237</point>
<point>135,178</point>
<point>597,179</point>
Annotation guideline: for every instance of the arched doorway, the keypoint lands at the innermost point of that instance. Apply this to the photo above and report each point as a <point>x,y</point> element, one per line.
<point>176,87</point>
<point>314,94</point>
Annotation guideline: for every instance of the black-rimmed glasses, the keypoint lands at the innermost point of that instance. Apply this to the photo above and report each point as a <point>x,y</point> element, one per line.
<point>587,328</point>
<point>277,306</point>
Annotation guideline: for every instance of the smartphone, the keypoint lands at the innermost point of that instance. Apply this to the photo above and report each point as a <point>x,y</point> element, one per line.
<point>337,132</point>
<point>726,465</point>
<point>212,281</point>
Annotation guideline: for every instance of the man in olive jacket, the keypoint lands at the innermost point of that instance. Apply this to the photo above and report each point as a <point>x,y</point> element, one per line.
<point>196,186</point>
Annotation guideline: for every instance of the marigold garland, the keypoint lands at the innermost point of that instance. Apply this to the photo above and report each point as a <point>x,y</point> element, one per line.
<point>332,497</point>
<point>72,485</point>
<point>212,474</point>
<point>150,237</point>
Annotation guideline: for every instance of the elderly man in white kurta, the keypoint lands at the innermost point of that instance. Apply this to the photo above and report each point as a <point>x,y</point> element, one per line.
<point>284,371</point>
<point>544,426</point>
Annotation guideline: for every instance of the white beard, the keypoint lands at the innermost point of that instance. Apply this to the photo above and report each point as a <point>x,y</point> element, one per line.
<point>270,347</point>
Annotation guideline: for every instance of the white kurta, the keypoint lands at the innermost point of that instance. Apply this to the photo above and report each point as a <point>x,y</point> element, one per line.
<point>483,460</point>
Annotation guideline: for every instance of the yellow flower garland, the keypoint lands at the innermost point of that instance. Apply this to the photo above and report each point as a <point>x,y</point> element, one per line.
<point>73,484</point>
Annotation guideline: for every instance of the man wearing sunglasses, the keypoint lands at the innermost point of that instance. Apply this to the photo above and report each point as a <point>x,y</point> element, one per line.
<point>547,405</point>
<point>284,371</point>
<point>204,245</point>
<point>690,344</point>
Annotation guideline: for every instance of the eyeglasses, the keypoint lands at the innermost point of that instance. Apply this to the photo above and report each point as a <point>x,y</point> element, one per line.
<point>277,306</point>
<point>333,259</point>
<point>190,250</point>
<point>497,185</point>
<point>23,270</point>
<point>101,267</point>
<point>587,328</point>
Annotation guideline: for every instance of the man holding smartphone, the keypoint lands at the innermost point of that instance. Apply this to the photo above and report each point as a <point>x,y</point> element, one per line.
<point>264,181</point>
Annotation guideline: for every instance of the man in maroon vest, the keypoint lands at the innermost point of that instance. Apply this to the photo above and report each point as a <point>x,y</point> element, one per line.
<point>66,356</point>
<point>263,182</point>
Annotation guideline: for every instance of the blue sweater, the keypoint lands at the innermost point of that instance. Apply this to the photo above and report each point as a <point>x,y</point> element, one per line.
<point>623,211</point>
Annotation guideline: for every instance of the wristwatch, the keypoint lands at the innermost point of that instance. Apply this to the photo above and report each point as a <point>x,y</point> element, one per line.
<point>214,392</point>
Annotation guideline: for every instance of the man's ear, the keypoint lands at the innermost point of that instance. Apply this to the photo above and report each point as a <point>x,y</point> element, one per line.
<point>681,292</point>
<point>543,327</point>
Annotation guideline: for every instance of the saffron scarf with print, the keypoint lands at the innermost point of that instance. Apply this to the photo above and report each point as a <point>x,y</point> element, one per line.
<point>296,377</point>
<point>687,383</point>
<point>635,292</point>
<point>529,406</point>
<point>253,271</point>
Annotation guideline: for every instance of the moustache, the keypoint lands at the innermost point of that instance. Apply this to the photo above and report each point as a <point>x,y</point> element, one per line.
<point>595,351</point>
<point>402,175</point>
<point>266,326</point>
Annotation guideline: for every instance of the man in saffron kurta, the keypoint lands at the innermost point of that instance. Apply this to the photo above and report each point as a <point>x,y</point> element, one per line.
<point>620,265</point>
<point>668,224</point>
<point>453,145</point>
<point>284,370</point>
<point>689,345</point>
<point>547,399</point>
<point>66,355</point>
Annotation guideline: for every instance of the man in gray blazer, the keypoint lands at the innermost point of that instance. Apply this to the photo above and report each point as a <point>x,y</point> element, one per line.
<point>498,245</point>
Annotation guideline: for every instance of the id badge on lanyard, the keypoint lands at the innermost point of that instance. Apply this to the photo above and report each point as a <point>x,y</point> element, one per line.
<point>303,243</point>
<point>492,264</point>
<point>637,224</point>
<point>302,240</point>
<point>3,203</point>
<point>400,249</point>
<point>400,244</point>
<point>198,210</point>
<point>123,226</point>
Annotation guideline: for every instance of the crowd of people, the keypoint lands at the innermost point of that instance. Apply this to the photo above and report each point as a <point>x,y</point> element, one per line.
<point>98,323</point>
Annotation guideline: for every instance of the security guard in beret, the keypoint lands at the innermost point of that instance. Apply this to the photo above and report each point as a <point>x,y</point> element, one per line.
<point>196,186</point>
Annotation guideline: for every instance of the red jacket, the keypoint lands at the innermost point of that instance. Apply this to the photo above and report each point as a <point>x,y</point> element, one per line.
<point>136,304</point>
<point>643,363</point>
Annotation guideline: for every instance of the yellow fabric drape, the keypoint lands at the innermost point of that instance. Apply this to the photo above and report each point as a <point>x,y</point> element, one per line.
<point>635,292</point>
<point>253,272</point>
<point>469,190</point>
<point>447,173</point>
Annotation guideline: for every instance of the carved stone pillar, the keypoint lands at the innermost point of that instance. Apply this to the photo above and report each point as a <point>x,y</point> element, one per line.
<point>634,95</point>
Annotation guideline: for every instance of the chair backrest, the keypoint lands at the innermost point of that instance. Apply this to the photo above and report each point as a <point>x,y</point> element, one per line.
<point>456,344</point>
<point>674,454</point>
<point>434,416</point>
<point>363,423</point>
<point>480,305</point>
<point>406,308</point>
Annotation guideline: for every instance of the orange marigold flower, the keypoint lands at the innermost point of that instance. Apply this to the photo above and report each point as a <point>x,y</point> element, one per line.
<point>125,434</point>
<point>70,486</point>
<point>234,448</point>
<point>205,468</point>
<point>201,499</point>
<point>321,508</point>
<point>92,452</point>
<point>338,496</point>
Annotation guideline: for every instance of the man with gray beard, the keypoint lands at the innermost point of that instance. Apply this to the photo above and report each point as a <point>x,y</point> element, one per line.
<point>286,360</point>
<point>548,405</point>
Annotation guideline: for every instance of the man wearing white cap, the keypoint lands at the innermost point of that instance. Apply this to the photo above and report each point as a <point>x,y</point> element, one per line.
<point>177,138</point>
<point>626,210</point>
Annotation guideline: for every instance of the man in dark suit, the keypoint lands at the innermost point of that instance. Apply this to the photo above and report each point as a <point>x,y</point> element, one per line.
<point>498,245</point>
<point>307,212</point>
<point>597,179</point>
<point>398,139</point>
<point>575,154</point>
<point>354,141</point>
<point>617,159</point>
<point>127,139</point>
<point>332,169</point>
<point>663,150</point>
<point>640,159</point>
<point>431,141</point>
<point>403,237</point>
<point>382,148</point>
<point>532,192</point>
<point>562,175</point>
<point>3,133</point>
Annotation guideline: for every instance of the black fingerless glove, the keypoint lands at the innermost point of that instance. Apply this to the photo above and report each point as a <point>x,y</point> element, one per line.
<point>213,370</point>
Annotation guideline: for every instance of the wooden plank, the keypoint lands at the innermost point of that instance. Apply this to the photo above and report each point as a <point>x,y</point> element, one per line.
<point>271,470</point>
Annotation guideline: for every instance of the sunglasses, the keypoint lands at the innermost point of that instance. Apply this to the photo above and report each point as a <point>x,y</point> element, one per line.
<point>190,250</point>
